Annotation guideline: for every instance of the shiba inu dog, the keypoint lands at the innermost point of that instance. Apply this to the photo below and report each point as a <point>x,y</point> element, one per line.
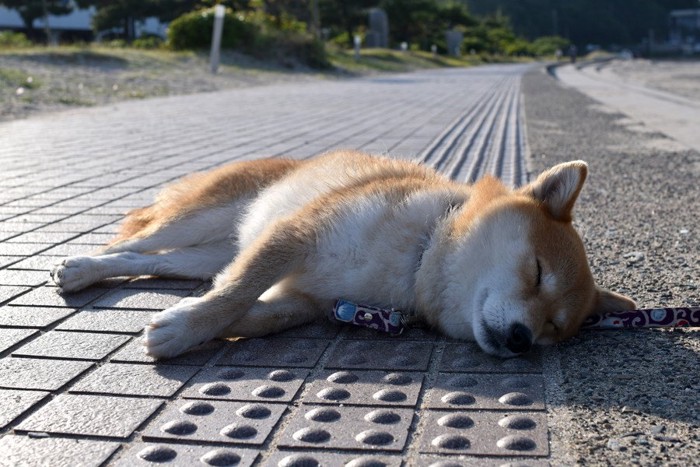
<point>283,239</point>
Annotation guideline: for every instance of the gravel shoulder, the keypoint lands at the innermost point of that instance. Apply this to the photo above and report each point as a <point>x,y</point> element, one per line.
<point>624,397</point>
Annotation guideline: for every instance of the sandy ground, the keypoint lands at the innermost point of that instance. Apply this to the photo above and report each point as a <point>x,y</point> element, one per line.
<point>680,77</point>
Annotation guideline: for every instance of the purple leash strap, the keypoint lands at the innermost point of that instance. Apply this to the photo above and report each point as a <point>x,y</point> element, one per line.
<point>391,321</point>
<point>395,322</point>
<point>645,318</point>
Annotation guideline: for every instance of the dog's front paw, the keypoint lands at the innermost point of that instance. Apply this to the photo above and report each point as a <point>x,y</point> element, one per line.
<point>75,273</point>
<point>171,332</point>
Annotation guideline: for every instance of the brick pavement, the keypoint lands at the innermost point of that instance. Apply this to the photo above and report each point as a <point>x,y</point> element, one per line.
<point>75,387</point>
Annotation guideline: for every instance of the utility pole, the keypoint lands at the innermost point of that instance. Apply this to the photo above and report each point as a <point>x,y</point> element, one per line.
<point>219,13</point>
<point>315,20</point>
<point>47,29</point>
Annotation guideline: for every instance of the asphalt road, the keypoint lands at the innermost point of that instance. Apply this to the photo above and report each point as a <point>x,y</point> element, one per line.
<point>624,397</point>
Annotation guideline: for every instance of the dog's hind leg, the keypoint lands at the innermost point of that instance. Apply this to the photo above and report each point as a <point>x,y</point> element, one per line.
<point>214,224</point>
<point>200,208</point>
<point>279,252</point>
<point>201,262</point>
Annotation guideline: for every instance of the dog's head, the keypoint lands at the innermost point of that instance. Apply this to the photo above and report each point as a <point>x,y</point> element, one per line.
<point>527,276</point>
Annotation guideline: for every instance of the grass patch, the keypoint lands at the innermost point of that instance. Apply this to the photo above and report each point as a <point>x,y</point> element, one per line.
<point>18,78</point>
<point>386,60</point>
<point>76,101</point>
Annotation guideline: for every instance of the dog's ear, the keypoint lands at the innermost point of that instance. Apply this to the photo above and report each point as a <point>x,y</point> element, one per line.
<point>557,188</point>
<point>607,301</point>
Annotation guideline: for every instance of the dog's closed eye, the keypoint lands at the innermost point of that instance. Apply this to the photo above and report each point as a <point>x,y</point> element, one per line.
<point>550,328</point>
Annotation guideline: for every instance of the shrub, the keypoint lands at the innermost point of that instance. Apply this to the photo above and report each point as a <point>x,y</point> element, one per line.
<point>14,39</point>
<point>193,30</point>
<point>148,42</point>
<point>517,47</point>
<point>548,45</point>
<point>254,33</point>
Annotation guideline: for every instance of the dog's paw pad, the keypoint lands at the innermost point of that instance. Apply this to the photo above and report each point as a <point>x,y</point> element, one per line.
<point>73,273</point>
<point>169,333</point>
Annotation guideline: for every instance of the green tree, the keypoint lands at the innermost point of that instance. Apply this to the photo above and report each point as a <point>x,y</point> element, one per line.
<point>121,14</point>
<point>344,16</point>
<point>424,22</point>
<point>29,10</point>
<point>603,22</point>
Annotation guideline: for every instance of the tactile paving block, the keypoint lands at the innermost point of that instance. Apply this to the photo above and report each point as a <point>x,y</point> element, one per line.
<point>320,459</point>
<point>72,345</point>
<point>15,402</point>
<point>51,296</point>
<point>9,292</point>
<point>127,321</point>
<point>503,391</point>
<point>184,455</point>
<point>381,355</point>
<point>468,357</point>
<point>322,329</point>
<point>274,351</point>
<point>32,317</point>
<point>25,278</point>
<point>369,428</point>
<point>159,283</point>
<point>485,433</point>
<point>356,387</point>
<point>10,337</point>
<point>26,451</point>
<point>246,384</point>
<point>415,333</point>
<point>90,415</point>
<point>140,299</point>
<point>33,373</point>
<point>215,421</point>
<point>135,379</point>
<point>134,352</point>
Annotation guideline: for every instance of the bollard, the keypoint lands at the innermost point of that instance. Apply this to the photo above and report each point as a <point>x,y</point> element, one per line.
<point>357,40</point>
<point>219,12</point>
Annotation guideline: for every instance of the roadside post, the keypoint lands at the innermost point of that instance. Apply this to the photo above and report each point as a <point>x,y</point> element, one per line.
<point>357,41</point>
<point>219,12</point>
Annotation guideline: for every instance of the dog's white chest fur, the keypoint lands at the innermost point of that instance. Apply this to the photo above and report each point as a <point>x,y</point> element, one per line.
<point>371,251</point>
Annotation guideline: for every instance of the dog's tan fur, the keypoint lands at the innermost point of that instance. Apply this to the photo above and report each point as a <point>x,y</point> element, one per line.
<point>478,262</point>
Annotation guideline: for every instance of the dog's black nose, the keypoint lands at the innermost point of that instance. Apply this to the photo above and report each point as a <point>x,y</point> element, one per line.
<point>519,338</point>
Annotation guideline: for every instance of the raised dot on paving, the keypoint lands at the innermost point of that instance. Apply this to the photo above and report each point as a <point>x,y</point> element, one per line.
<point>246,384</point>
<point>345,427</point>
<point>149,454</point>
<point>468,357</point>
<point>498,391</point>
<point>361,387</point>
<point>215,421</point>
<point>485,433</point>
<point>320,458</point>
<point>381,355</point>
